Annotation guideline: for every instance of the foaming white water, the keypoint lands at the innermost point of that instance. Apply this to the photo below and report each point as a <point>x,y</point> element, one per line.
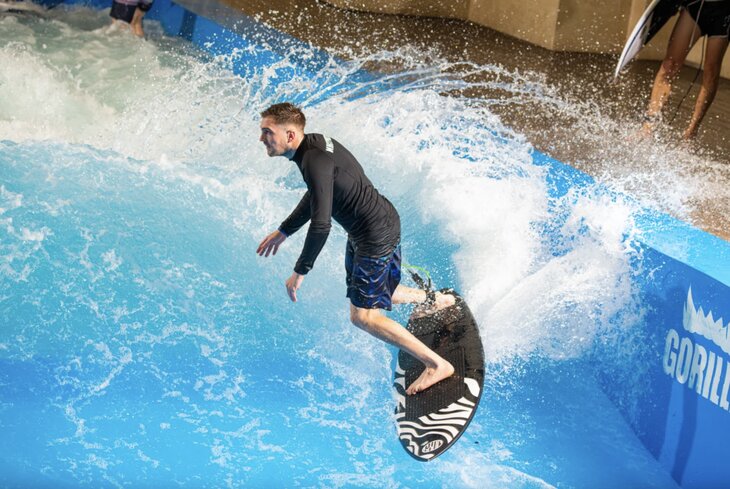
<point>448,163</point>
<point>76,78</point>
<point>562,304</point>
<point>479,470</point>
<point>597,136</point>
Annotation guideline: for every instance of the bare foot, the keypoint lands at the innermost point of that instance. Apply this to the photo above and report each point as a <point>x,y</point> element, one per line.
<point>689,134</point>
<point>646,132</point>
<point>431,376</point>
<point>442,302</point>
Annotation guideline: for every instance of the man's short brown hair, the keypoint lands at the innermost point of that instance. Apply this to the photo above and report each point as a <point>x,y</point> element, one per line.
<point>286,113</point>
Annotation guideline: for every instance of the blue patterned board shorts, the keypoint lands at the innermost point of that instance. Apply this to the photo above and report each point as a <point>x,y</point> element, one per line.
<point>372,281</point>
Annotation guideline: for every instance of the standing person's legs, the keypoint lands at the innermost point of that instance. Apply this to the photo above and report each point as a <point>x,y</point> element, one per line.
<point>714,54</point>
<point>685,34</point>
<point>136,23</point>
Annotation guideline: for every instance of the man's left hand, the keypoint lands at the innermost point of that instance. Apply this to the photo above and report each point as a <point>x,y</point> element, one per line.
<point>292,285</point>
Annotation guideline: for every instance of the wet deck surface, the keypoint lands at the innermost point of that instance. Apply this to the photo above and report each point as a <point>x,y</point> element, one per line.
<point>587,127</point>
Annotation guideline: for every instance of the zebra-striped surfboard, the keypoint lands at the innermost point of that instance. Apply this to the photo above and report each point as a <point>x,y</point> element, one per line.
<point>431,421</point>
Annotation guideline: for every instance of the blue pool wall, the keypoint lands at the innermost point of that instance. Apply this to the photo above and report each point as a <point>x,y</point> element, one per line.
<point>681,412</point>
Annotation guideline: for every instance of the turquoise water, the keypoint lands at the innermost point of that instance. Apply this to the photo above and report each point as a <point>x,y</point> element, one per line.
<point>143,343</point>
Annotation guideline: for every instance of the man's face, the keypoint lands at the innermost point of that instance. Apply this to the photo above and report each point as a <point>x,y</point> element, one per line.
<point>276,138</point>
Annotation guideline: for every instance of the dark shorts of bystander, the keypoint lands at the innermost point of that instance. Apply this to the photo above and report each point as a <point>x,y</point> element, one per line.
<point>713,18</point>
<point>122,11</point>
<point>372,281</point>
<point>125,11</point>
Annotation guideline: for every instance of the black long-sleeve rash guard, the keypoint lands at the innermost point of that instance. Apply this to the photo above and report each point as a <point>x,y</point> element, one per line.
<point>338,188</point>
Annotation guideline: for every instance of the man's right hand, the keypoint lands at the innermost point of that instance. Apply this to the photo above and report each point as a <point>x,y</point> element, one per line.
<point>270,244</point>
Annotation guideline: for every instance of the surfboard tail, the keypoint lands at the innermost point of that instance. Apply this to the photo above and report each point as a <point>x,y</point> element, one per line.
<point>430,422</point>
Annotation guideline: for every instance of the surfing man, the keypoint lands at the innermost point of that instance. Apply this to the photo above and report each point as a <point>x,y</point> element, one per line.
<point>131,12</point>
<point>338,188</point>
<point>698,18</point>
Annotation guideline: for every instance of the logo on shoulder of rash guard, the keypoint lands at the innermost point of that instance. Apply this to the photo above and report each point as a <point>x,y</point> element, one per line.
<point>329,146</point>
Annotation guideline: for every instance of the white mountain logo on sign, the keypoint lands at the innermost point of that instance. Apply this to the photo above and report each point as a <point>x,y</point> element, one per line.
<point>696,321</point>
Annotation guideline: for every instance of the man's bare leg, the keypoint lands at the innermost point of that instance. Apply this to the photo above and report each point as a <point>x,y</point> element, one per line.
<point>374,322</point>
